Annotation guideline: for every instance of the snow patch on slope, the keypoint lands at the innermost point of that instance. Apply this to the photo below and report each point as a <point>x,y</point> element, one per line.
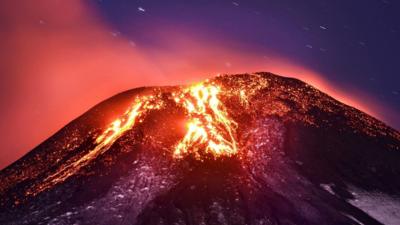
<point>382,207</point>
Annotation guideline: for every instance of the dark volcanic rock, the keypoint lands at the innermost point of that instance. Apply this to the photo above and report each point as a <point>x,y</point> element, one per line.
<point>304,158</point>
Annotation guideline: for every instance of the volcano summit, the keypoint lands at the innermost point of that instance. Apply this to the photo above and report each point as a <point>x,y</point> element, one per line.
<point>236,149</point>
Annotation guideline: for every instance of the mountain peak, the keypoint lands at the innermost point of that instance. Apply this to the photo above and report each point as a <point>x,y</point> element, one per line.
<point>235,149</point>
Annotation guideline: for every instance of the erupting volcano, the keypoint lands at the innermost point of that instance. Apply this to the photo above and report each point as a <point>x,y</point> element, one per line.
<point>235,149</point>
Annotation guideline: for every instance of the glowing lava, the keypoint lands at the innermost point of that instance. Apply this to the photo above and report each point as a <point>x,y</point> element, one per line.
<point>209,125</point>
<point>104,141</point>
<point>209,128</point>
<point>127,121</point>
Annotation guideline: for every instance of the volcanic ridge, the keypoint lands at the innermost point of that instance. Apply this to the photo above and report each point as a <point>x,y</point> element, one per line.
<point>235,149</point>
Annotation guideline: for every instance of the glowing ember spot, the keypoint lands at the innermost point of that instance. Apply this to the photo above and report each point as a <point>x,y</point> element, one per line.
<point>209,125</point>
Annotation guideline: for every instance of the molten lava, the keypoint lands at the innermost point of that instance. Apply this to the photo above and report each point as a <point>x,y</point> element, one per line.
<point>209,125</point>
<point>210,130</point>
<point>104,141</point>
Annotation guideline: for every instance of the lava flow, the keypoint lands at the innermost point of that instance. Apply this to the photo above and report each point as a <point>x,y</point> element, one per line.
<point>209,128</point>
<point>209,123</point>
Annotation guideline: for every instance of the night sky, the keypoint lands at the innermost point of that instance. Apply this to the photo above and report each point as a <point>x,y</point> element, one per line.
<point>355,44</point>
<point>59,58</point>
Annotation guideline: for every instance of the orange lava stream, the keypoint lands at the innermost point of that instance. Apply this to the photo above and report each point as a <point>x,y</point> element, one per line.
<point>209,125</point>
<point>209,128</point>
<point>103,142</point>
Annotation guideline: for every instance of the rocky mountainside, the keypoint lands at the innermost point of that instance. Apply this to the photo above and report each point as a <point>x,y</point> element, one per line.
<point>235,149</point>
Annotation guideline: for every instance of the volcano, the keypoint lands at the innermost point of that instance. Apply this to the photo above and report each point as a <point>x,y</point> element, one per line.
<point>235,149</point>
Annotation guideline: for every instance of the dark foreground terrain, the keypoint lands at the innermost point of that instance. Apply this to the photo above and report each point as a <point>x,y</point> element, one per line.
<point>302,158</point>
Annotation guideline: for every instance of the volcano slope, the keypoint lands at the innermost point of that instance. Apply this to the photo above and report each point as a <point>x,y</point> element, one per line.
<point>238,149</point>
